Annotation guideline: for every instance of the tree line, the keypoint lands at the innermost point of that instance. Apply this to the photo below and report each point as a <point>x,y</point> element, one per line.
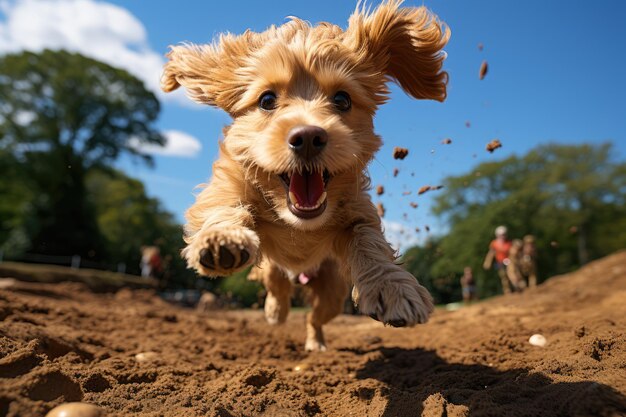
<point>64,120</point>
<point>571,198</point>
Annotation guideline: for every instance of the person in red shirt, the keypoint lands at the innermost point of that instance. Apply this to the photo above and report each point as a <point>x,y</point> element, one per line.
<point>151,265</point>
<point>498,257</point>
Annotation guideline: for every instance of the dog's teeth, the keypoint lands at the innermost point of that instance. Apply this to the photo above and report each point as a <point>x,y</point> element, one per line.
<point>321,199</point>
<point>294,201</point>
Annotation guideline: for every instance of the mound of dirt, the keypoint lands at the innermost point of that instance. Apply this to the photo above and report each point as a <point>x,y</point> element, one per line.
<point>61,343</point>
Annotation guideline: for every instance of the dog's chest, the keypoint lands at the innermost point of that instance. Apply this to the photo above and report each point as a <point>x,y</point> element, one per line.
<point>294,250</point>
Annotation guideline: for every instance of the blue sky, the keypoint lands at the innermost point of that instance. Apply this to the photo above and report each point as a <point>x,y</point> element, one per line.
<point>557,73</point>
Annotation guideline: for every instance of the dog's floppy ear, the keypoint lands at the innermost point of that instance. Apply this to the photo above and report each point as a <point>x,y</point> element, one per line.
<point>405,43</point>
<point>208,71</point>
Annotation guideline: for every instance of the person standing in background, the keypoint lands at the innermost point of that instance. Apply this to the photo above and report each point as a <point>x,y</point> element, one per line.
<point>468,286</point>
<point>151,265</point>
<point>498,257</point>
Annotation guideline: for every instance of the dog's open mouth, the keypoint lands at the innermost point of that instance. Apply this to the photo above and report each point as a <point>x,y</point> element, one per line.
<point>306,192</point>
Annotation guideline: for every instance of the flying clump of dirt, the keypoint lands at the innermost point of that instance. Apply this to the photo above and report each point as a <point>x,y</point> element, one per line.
<point>400,153</point>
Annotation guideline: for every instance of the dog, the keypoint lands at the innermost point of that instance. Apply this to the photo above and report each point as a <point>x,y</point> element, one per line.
<point>289,191</point>
<point>513,266</point>
<point>522,266</point>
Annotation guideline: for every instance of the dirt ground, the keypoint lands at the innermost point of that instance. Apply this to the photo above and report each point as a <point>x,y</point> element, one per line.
<point>61,342</point>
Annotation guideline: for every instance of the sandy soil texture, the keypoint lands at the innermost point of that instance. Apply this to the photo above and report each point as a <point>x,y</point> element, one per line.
<point>61,342</point>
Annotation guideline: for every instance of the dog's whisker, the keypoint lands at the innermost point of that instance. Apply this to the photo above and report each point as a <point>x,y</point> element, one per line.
<point>358,184</point>
<point>380,163</point>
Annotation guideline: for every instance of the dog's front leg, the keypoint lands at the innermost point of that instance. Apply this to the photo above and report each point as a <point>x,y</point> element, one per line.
<point>225,243</point>
<point>382,289</point>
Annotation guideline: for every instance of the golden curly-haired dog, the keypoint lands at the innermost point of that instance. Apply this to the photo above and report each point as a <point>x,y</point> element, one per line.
<point>289,190</point>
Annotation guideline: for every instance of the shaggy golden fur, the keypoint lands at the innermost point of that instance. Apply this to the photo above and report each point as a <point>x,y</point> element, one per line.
<point>243,216</point>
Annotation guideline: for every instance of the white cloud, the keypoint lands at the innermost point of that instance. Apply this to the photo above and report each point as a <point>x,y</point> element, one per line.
<point>100,30</point>
<point>400,236</point>
<point>177,143</point>
<point>163,180</point>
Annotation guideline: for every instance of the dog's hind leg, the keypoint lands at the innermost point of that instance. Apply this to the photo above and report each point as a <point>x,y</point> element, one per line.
<point>278,287</point>
<point>329,293</point>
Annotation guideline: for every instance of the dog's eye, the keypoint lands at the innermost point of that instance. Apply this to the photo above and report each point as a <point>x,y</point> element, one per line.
<point>342,101</point>
<point>267,101</point>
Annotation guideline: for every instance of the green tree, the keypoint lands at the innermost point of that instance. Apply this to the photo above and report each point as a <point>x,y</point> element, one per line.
<point>17,219</point>
<point>62,115</point>
<point>238,288</point>
<point>419,260</point>
<point>572,198</point>
<point>129,219</point>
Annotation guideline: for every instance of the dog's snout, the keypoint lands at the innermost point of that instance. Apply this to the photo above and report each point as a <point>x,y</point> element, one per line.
<point>307,141</point>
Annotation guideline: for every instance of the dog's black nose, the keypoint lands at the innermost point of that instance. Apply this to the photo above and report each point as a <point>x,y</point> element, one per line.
<point>307,141</point>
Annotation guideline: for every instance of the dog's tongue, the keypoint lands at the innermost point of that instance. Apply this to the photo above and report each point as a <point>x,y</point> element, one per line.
<point>307,187</point>
<point>304,278</point>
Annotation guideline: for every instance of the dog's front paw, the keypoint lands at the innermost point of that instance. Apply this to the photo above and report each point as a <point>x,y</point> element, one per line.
<point>219,252</point>
<point>396,299</point>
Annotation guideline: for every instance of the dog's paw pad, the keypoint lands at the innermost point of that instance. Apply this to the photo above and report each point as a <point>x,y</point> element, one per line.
<point>227,258</point>
<point>397,323</point>
<point>392,323</point>
<point>206,258</point>
<point>221,252</point>
<point>244,256</point>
